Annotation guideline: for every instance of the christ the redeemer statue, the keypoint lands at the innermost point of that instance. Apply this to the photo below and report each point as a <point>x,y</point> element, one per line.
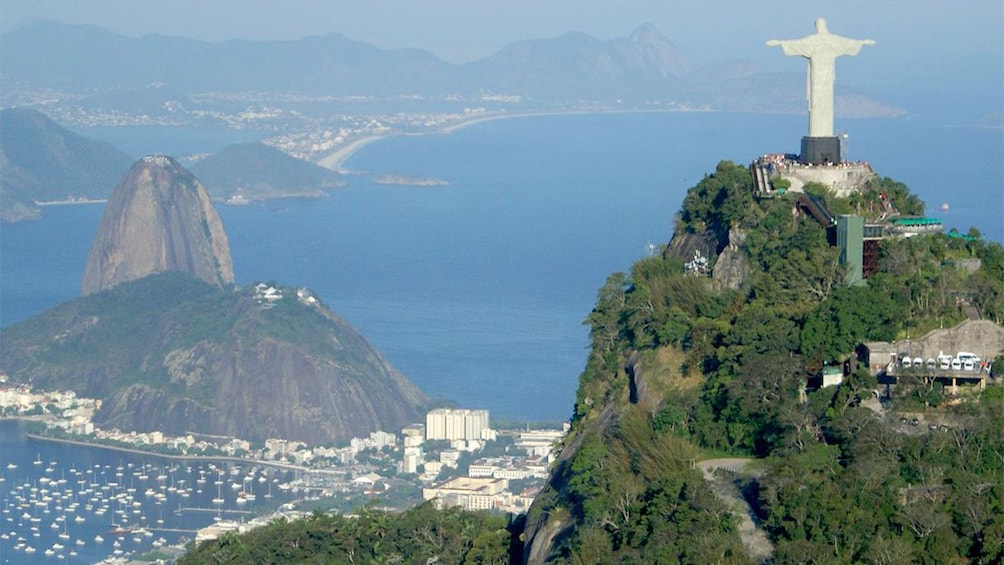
<point>821,49</point>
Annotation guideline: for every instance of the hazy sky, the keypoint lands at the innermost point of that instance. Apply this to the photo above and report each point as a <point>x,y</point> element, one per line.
<point>936,44</point>
<point>459,30</point>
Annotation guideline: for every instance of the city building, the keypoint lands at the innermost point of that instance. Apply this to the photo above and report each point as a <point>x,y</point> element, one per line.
<point>456,424</point>
<point>469,493</point>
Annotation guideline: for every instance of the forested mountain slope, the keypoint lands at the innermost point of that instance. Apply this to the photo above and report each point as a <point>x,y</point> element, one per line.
<point>170,352</point>
<point>682,370</point>
<point>679,371</point>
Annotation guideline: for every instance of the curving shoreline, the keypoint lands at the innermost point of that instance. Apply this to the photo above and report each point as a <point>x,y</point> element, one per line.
<point>227,458</point>
<point>336,159</point>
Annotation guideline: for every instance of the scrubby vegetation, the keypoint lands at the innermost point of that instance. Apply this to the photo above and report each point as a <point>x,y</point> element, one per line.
<point>420,535</point>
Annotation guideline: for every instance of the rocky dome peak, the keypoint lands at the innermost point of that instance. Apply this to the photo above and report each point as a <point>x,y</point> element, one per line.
<point>650,52</point>
<point>159,218</point>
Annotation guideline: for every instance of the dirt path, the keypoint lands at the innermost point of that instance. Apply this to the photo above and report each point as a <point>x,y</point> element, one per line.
<point>753,536</point>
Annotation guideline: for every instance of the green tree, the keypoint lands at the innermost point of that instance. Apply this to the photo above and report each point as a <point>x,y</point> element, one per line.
<point>852,315</point>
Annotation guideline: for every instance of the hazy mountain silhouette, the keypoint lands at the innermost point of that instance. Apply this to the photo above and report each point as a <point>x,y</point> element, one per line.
<point>643,68</point>
<point>43,161</point>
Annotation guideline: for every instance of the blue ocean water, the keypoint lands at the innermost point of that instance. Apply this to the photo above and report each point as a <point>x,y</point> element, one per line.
<point>477,290</point>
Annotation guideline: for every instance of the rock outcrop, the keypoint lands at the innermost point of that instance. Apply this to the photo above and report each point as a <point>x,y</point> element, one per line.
<point>732,268</point>
<point>683,245</point>
<point>159,218</point>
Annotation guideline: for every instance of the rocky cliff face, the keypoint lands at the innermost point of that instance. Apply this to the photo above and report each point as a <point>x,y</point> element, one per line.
<point>159,218</point>
<point>732,268</point>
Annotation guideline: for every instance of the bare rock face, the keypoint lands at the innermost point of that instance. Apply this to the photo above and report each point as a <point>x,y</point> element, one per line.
<point>159,218</point>
<point>732,268</point>
<point>683,245</point>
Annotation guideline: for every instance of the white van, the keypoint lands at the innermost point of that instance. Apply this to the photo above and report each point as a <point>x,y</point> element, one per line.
<point>956,364</point>
<point>969,360</point>
<point>944,361</point>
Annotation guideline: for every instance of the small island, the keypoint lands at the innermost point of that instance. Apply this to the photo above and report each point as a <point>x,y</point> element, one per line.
<point>401,180</point>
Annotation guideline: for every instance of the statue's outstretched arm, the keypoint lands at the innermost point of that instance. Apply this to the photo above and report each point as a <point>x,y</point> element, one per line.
<point>773,42</point>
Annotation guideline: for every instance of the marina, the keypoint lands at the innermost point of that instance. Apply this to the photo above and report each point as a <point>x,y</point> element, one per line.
<point>80,504</point>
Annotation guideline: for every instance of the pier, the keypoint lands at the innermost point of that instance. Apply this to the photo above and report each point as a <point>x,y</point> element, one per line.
<point>214,510</point>
<point>172,530</point>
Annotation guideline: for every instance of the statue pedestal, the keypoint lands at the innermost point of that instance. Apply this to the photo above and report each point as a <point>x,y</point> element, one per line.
<point>820,150</point>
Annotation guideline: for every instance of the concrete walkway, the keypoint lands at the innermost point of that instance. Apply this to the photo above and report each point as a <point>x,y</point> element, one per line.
<point>754,537</point>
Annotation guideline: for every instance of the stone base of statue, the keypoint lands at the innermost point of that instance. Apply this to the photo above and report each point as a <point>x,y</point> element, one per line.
<point>820,150</point>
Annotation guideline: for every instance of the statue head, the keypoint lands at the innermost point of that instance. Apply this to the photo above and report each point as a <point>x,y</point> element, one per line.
<point>821,25</point>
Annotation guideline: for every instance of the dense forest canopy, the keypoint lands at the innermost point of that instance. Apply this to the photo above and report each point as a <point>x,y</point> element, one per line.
<point>835,472</point>
<point>681,370</point>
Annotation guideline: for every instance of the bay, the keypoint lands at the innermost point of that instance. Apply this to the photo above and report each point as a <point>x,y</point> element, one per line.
<point>93,501</point>
<point>477,290</point>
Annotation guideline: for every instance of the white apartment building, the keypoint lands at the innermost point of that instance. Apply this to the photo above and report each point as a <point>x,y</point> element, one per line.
<point>539,442</point>
<point>468,493</point>
<point>413,457</point>
<point>455,424</point>
<point>414,435</point>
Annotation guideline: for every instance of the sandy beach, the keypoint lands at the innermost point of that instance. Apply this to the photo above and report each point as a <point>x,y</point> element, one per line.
<point>335,159</point>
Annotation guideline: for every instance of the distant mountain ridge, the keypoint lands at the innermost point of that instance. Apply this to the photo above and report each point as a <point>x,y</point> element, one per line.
<point>644,68</point>
<point>43,161</point>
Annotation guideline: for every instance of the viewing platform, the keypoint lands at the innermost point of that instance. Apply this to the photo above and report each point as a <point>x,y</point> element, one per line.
<point>947,377</point>
<point>843,178</point>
